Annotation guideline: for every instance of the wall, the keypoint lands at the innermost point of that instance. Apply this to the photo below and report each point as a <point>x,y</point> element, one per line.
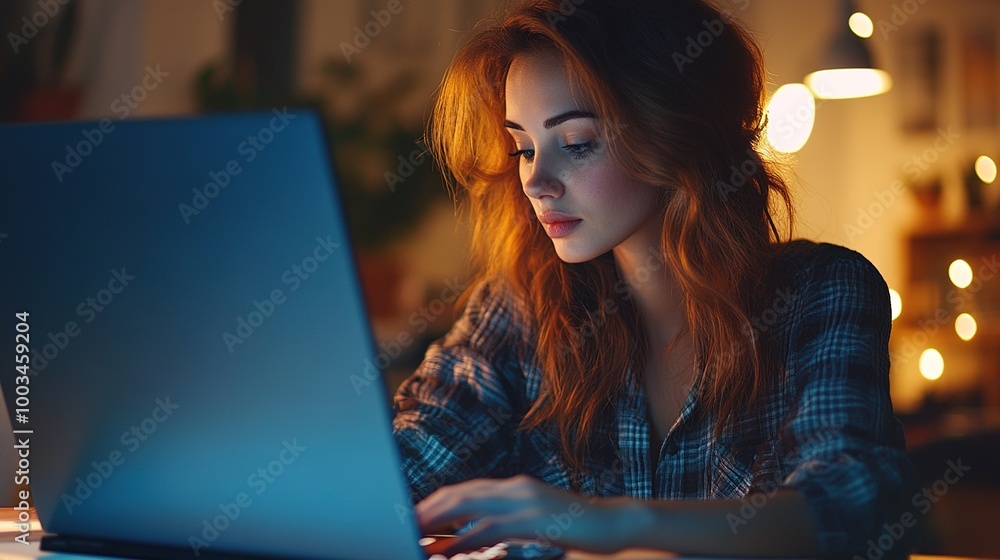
<point>859,148</point>
<point>120,42</point>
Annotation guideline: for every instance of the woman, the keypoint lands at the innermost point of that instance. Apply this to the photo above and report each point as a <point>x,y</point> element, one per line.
<point>643,361</point>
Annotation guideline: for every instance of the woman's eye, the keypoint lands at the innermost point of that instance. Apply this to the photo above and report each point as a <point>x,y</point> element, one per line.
<point>581,150</point>
<point>527,154</point>
<point>576,151</point>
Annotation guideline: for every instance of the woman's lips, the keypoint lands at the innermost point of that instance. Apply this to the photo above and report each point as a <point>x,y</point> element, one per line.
<point>557,224</point>
<point>560,229</point>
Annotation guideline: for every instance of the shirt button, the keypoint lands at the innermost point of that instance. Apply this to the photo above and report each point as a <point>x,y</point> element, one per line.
<point>672,447</point>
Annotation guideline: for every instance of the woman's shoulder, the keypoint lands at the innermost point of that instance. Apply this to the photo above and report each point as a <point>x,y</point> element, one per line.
<point>492,316</point>
<point>810,282</point>
<point>801,261</point>
<point>492,298</point>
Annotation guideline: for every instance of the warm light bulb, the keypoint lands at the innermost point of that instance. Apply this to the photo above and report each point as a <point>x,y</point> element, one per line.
<point>861,25</point>
<point>895,303</point>
<point>931,364</point>
<point>960,273</point>
<point>965,326</point>
<point>790,116</point>
<point>846,83</point>
<point>986,169</point>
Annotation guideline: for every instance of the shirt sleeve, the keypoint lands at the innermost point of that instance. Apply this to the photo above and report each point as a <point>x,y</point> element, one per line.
<point>454,415</point>
<point>843,444</point>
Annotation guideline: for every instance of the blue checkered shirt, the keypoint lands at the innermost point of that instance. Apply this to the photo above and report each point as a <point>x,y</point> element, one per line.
<point>828,431</point>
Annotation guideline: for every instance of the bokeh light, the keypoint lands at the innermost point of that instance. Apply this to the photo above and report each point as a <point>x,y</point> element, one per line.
<point>960,273</point>
<point>895,303</point>
<point>861,25</point>
<point>965,326</point>
<point>791,113</point>
<point>986,169</point>
<point>931,364</point>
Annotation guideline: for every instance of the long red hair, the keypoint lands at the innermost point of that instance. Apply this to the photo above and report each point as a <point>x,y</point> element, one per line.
<point>687,118</point>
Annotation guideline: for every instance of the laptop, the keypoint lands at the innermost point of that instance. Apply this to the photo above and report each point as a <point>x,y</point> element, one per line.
<point>200,381</point>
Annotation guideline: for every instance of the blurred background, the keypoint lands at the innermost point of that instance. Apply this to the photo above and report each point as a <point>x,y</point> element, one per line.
<point>905,176</point>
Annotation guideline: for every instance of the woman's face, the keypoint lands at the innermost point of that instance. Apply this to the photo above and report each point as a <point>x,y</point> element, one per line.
<point>586,202</point>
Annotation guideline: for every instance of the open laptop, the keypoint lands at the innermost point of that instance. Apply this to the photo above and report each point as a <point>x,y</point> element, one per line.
<point>200,376</point>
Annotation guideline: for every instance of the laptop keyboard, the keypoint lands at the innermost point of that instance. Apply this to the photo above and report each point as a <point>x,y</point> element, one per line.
<point>515,550</point>
<point>492,553</point>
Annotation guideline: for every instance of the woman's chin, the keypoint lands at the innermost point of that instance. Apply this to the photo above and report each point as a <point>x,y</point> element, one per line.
<point>573,255</point>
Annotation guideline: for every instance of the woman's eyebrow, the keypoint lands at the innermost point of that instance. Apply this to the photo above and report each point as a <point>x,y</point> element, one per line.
<point>556,120</point>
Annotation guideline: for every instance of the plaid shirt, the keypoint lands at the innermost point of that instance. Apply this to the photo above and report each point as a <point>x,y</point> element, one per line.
<point>828,431</point>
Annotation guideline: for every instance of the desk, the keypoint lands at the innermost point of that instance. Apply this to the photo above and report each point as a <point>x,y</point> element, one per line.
<point>11,550</point>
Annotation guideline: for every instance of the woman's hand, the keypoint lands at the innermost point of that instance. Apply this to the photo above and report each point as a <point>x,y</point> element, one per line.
<point>525,508</point>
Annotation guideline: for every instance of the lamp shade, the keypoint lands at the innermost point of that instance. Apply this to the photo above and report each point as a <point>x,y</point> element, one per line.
<point>846,69</point>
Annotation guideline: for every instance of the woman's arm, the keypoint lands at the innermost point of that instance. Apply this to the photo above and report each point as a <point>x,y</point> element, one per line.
<point>454,415</point>
<point>781,526</point>
<point>778,524</point>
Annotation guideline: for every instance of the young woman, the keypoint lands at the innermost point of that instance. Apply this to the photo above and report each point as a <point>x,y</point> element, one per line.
<point>644,361</point>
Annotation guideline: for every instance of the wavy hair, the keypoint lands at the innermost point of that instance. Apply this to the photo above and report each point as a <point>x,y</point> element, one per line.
<point>678,87</point>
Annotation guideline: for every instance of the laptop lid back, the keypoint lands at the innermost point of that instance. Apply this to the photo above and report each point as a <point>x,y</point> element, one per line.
<point>200,355</point>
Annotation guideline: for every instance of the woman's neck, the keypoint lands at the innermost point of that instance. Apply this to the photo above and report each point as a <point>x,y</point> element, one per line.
<point>654,290</point>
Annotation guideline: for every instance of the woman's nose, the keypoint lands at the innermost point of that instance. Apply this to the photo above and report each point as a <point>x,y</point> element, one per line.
<point>540,180</point>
